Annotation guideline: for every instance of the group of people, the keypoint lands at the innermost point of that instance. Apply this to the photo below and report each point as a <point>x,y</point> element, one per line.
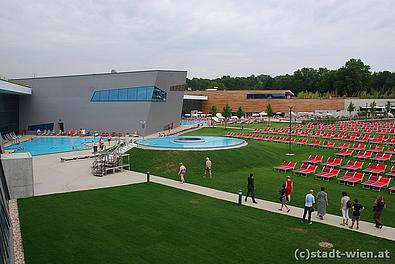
<point>321,199</point>
<point>345,206</point>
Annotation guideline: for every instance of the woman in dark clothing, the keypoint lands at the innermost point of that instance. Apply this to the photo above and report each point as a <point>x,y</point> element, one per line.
<point>284,198</point>
<point>378,209</point>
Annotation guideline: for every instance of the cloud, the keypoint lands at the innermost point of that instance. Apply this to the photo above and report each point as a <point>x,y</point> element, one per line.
<point>207,38</point>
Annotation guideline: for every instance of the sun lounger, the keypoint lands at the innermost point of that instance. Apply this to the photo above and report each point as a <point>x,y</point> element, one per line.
<point>358,147</point>
<point>391,173</point>
<point>345,153</point>
<point>353,165</point>
<point>286,166</point>
<point>383,182</point>
<point>375,148</point>
<point>357,177</point>
<point>372,179</point>
<point>363,155</point>
<point>348,175</point>
<point>382,157</point>
<point>392,190</point>
<point>306,170</point>
<point>333,162</point>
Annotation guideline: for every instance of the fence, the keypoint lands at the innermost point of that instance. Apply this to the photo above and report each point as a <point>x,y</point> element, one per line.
<point>6,238</point>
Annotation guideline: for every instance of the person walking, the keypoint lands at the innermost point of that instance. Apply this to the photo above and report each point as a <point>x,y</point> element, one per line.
<point>356,213</point>
<point>251,188</point>
<point>207,169</point>
<point>289,186</point>
<point>308,207</point>
<point>378,209</point>
<point>284,198</point>
<point>322,203</point>
<point>181,172</point>
<point>345,205</point>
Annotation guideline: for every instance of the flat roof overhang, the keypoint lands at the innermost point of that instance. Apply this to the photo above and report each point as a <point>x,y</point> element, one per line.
<point>12,88</point>
<point>195,97</point>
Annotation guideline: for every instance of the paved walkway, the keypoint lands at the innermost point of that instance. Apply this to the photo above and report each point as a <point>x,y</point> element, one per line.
<point>332,220</point>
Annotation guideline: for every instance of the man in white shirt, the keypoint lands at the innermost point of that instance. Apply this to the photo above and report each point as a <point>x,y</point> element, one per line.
<point>308,207</point>
<point>208,167</point>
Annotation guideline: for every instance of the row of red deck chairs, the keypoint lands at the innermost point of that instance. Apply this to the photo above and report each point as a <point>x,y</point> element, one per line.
<point>351,177</point>
<point>380,139</point>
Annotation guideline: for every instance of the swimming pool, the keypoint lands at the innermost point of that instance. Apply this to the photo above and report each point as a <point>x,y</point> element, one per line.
<point>193,122</point>
<point>50,145</point>
<point>191,143</point>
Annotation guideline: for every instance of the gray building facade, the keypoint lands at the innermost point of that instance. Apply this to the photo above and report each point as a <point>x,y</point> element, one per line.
<point>117,102</point>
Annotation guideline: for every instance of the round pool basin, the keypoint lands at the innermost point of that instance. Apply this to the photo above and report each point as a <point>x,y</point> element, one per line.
<point>191,143</point>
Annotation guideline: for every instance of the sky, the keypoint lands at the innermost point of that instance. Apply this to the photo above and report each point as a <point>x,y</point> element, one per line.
<point>209,38</point>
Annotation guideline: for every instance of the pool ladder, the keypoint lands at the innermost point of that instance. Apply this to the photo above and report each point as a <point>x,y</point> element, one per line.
<point>110,161</point>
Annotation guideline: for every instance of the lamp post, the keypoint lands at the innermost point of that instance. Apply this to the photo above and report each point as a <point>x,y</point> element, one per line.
<point>366,112</point>
<point>142,122</point>
<point>290,132</point>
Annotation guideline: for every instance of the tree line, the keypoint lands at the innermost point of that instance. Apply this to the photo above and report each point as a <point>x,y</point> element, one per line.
<point>354,79</point>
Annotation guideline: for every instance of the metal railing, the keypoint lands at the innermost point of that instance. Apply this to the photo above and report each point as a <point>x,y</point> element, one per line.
<point>6,237</point>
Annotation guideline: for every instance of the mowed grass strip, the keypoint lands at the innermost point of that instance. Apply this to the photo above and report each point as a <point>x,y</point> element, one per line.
<point>231,168</point>
<point>150,223</point>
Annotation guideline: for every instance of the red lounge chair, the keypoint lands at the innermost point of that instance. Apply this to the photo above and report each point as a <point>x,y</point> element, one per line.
<point>363,155</point>
<point>372,179</point>
<point>332,174</point>
<point>380,168</point>
<point>328,144</point>
<point>333,162</point>
<point>325,171</point>
<point>314,143</point>
<point>371,167</point>
<point>343,146</point>
<point>391,173</point>
<point>286,166</point>
<point>279,139</point>
<point>301,141</point>
<point>358,177</point>
<point>314,159</point>
<point>375,148</point>
<point>358,147</point>
<point>239,135</point>
<point>306,169</point>
<point>363,139</point>
<point>346,176</point>
<point>391,150</point>
<point>256,130</point>
<point>345,152</point>
<point>258,137</point>
<point>382,157</point>
<point>268,138</point>
<point>348,165</point>
<point>378,140</point>
<point>289,140</point>
<point>229,134</point>
<point>383,182</point>
<point>390,141</point>
<point>392,190</point>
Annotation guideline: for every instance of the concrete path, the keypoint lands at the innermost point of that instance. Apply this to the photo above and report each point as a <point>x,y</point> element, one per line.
<point>332,220</point>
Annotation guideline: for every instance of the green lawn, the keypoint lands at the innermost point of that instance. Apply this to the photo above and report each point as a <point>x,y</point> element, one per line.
<point>149,223</point>
<point>231,168</point>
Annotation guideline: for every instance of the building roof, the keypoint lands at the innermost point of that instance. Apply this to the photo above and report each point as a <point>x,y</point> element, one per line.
<point>204,92</point>
<point>13,88</point>
<point>96,74</point>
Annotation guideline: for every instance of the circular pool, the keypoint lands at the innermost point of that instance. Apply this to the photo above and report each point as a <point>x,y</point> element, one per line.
<point>190,143</point>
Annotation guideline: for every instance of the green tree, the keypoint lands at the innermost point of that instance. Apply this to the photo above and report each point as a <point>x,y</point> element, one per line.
<point>373,108</point>
<point>226,113</point>
<point>388,108</point>
<point>350,108</point>
<point>240,113</point>
<point>269,110</point>
<point>213,110</point>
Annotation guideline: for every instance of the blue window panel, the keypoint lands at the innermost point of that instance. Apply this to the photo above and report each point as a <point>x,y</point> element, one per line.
<point>123,94</point>
<point>158,95</point>
<point>132,94</point>
<point>141,94</point>
<point>96,97</point>
<point>113,95</point>
<point>104,96</point>
<point>150,91</point>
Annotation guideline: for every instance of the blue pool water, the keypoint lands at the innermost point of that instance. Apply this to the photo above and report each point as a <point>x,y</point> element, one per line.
<point>190,142</point>
<point>50,145</point>
<point>193,122</point>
